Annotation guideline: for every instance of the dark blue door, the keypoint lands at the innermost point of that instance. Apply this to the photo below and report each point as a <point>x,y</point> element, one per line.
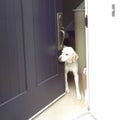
<point>30,75</point>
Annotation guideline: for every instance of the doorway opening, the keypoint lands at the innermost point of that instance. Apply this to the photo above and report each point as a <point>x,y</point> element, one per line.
<point>75,28</point>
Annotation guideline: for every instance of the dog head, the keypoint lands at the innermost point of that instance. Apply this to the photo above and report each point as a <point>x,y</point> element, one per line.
<point>68,55</point>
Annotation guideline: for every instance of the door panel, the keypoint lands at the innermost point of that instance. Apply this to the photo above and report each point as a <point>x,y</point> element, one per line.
<point>45,42</point>
<point>47,67</point>
<point>12,62</point>
<point>30,75</point>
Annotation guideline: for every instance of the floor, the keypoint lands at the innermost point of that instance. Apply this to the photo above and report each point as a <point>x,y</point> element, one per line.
<point>67,108</point>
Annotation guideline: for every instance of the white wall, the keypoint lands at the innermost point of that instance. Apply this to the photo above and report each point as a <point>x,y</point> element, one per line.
<point>104,59</point>
<point>79,16</point>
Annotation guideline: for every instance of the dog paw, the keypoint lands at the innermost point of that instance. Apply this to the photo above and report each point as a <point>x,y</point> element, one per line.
<point>79,97</point>
<point>67,90</point>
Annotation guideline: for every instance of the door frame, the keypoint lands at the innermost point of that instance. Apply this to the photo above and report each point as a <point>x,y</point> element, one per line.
<point>87,91</point>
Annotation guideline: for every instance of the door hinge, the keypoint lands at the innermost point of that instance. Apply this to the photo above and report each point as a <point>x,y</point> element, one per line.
<point>86,21</point>
<point>113,10</point>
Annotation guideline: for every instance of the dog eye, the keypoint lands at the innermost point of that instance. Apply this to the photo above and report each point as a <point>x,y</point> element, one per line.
<point>66,54</point>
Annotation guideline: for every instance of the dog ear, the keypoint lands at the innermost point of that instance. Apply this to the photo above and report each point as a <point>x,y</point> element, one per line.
<point>64,46</point>
<point>74,57</point>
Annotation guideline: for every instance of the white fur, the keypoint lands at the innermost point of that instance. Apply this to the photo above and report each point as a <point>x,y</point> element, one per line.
<point>69,56</point>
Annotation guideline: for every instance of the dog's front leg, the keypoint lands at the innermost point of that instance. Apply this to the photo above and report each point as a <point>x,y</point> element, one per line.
<point>76,77</point>
<point>66,83</point>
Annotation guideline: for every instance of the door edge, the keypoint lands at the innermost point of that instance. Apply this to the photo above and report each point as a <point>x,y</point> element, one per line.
<point>38,113</point>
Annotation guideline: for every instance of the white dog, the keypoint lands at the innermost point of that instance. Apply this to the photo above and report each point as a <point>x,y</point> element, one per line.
<point>69,56</point>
